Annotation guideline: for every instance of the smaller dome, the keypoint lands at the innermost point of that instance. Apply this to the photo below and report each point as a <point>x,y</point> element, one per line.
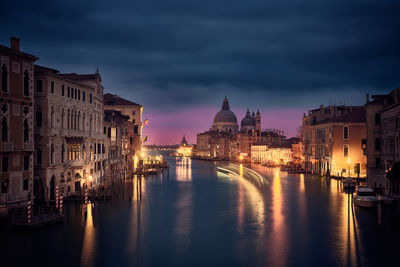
<point>248,121</point>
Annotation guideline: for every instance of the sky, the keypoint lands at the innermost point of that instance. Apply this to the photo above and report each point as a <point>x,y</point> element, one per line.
<point>179,58</point>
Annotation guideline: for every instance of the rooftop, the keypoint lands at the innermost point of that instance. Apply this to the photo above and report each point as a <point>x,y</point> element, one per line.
<point>115,100</point>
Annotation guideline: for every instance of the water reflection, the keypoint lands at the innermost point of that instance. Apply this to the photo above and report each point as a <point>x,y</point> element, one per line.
<point>89,239</point>
<point>279,231</point>
<point>183,169</point>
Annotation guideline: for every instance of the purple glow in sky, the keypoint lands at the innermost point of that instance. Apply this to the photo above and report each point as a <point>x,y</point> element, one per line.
<point>169,127</point>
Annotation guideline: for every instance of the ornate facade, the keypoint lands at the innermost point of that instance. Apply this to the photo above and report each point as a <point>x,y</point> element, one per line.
<point>16,123</point>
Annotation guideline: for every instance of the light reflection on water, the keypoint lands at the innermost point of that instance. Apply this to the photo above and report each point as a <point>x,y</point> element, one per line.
<point>200,216</point>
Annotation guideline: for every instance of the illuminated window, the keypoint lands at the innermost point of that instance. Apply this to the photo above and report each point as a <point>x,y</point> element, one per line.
<point>113,134</point>
<point>26,83</point>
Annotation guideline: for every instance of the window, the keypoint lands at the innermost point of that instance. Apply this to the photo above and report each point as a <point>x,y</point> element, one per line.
<point>345,132</point>
<point>25,184</point>
<point>377,118</point>
<point>79,94</point>
<point>4,164</point>
<point>26,131</point>
<point>26,163</point>
<point>62,153</point>
<point>4,130</point>
<point>52,154</point>
<point>133,113</point>
<point>39,116</point>
<point>72,92</point>
<point>377,162</point>
<point>90,99</point>
<point>39,157</point>
<point>346,151</point>
<point>83,96</point>
<point>39,86</point>
<point>357,168</point>
<point>135,129</point>
<point>76,93</point>
<point>113,134</point>
<point>4,186</point>
<point>52,87</point>
<point>26,83</point>
<point>377,144</point>
<point>62,90</point>
<point>109,132</point>
<point>4,78</point>
<point>68,91</point>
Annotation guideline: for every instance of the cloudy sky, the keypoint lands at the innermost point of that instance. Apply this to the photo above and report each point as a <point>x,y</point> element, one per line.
<point>179,58</point>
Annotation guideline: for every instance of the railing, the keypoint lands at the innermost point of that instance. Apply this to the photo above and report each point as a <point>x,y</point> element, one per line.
<point>7,146</point>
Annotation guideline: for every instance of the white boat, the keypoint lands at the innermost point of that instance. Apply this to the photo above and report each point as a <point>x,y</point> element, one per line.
<point>365,197</point>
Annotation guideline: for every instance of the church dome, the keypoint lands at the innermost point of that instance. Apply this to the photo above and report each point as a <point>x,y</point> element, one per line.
<point>248,121</point>
<point>225,119</point>
<point>225,116</point>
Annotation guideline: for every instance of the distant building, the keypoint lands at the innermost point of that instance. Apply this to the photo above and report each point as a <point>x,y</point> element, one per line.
<point>332,139</point>
<point>185,149</point>
<point>224,141</point>
<point>259,152</point>
<point>16,123</point>
<point>134,112</point>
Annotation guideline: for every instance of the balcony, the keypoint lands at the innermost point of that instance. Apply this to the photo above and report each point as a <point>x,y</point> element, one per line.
<point>7,146</point>
<point>77,163</point>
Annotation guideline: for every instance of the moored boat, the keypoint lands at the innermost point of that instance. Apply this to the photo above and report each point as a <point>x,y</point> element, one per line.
<point>365,197</point>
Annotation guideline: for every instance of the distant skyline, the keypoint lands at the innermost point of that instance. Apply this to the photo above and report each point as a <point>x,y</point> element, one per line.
<point>179,58</point>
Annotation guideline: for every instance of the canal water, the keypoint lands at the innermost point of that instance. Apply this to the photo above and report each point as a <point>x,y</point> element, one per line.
<point>202,215</point>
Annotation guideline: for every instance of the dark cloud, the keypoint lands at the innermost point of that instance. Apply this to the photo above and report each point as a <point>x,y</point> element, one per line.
<point>173,53</point>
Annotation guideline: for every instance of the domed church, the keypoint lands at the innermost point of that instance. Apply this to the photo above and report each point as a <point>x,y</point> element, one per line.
<point>225,120</point>
<point>251,122</point>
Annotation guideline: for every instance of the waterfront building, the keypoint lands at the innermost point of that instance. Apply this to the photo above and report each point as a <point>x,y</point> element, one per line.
<point>259,152</point>
<point>383,140</point>
<point>332,139</point>
<point>297,154</point>
<point>16,123</point>
<point>69,139</point>
<point>116,145</point>
<point>134,112</point>
<point>185,149</point>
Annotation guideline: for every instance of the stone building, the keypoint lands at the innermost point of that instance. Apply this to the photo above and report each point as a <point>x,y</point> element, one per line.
<point>69,138</point>
<point>259,152</point>
<point>16,123</point>
<point>383,140</point>
<point>332,140</point>
<point>116,143</point>
<point>134,112</point>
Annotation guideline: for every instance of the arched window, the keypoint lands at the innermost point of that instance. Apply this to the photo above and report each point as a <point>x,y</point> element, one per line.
<point>52,154</point>
<point>26,131</point>
<point>4,78</point>
<point>83,122</point>
<point>4,130</point>
<point>79,120</point>
<point>62,153</point>
<point>346,150</point>
<point>345,132</point>
<point>62,118</point>
<point>39,116</point>
<point>83,151</point>
<point>26,83</point>
<point>39,156</point>
<point>69,120</point>
<point>52,117</point>
<point>91,122</point>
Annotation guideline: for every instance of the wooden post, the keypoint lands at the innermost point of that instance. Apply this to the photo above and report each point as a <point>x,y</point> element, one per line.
<point>29,212</point>
<point>61,205</point>
<point>56,197</point>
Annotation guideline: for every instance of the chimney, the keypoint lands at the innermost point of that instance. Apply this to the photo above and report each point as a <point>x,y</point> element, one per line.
<point>367,98</point>
<point>14,43</point>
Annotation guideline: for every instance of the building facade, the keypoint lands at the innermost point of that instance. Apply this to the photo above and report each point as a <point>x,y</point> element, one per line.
<point>332,141</point>
<point>16,123</point>
<point>69,138</point>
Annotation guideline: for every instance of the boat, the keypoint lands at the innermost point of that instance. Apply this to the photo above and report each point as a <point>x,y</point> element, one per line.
<point>348,183</point>
<point>385,200</point>
<point>365,197</point>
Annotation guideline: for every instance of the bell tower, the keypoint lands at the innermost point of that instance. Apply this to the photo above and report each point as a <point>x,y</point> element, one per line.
<point>258,121</point>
